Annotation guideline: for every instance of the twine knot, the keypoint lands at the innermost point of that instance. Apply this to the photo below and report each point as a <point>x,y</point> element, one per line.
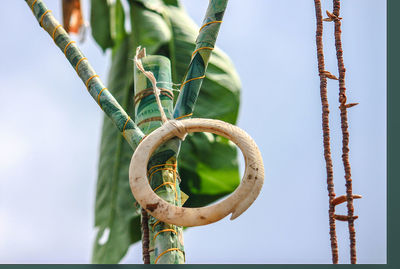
<point>179,130</point>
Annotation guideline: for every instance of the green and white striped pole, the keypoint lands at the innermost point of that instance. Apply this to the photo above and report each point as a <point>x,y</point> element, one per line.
<point>92,81</point>
<point>165,240</point>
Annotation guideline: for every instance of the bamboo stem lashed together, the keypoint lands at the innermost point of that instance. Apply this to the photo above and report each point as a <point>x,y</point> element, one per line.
<point>326,132</point>
<point>165,241</point>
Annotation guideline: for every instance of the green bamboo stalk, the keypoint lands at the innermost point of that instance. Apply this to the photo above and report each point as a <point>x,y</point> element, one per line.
<point>85,71</point>
<point>195,73</point>
<point>165,240</point>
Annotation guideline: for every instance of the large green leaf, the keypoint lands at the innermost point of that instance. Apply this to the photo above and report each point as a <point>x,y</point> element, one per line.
<point>117,23</point>
<point>100,23</point>
<point>115,212</point>
<point>207,163</point>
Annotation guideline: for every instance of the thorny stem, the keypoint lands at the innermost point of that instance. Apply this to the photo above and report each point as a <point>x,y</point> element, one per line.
<point>325,128</point>
<point>345,133</point>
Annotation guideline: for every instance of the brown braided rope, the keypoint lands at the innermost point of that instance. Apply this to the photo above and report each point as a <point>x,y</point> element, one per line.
<point>345,133</point>
<point>326,133</point>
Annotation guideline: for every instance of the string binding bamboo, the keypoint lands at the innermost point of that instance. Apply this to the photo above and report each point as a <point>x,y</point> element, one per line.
<point>184,116</point>
<point>33,4</point>
<point>66,47</point>
<point>42,17</point>
<point>202,48</point>
<point>173,184</point>
<point>123,129</point>
<point>54,32</point>
<point>166,251</point>
<point>189,80</point>
<point>99,95</point>
<point>89,79</point>
<point>149,91</point>
<point>208,23</point>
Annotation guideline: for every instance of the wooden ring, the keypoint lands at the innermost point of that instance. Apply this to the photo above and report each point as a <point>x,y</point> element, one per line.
<point>236,203</point>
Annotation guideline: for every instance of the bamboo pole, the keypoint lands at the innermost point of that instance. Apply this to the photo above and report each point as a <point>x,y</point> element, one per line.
<point>85,71</point>
<point>165,241</point>
<point>195,73</point>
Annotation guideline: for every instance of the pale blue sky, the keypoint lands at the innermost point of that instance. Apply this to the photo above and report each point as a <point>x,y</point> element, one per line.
<point>50,135</point>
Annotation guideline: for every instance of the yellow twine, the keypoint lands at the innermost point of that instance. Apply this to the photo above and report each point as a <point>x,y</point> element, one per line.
<point>33,4</point>
<point>66,47</point>
<point>208,23</point>
<point>188,115</point>
<point>154,225</point>
<point>159,169</point>
<point>165,183</point>
<point>77,65</point>
<point>158,165</point>
<point>87,81</point>
<point>203,48</point>
<point>168,250</point>
<point>54,31</point>
<point>162,231</point>
<point>98,96</point>
<point>192,80</point>
<point>41,18</point>
<point>123,129</point>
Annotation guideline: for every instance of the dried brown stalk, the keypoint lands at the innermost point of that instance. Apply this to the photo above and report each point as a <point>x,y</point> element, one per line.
<point>145,239</point>
<point>345,134</point>
<point>325,127</point>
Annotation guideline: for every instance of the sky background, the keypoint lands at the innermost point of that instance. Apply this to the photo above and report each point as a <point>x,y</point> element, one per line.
<point>50,137</point>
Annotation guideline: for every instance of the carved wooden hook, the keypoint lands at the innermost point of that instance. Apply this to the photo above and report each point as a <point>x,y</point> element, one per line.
<point>236,203</point>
